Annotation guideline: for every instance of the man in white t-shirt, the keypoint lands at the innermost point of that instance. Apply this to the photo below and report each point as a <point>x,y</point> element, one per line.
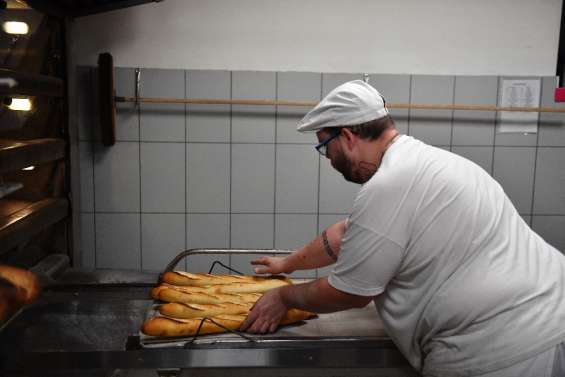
<point>463,286</point>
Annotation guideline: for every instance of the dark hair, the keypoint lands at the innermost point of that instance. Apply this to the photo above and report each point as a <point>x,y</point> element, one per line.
<point>372,129</point>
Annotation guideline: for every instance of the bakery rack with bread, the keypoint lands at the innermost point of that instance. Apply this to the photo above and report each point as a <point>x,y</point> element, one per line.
<point>194,304</point>
<point>90,322</point>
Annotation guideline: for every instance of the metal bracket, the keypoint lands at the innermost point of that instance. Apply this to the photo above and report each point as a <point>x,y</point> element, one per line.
<point>137,86</point>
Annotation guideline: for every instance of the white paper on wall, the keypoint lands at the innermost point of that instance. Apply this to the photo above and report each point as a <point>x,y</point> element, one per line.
<point>519,93</point>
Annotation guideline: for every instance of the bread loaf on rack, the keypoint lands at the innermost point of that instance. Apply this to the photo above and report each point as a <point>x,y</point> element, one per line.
<point>175,327</point>
<point>170,293</point>
<point>225,299</point>
<point>224,283</point>
<point>183,310</point>
<point>169,327</point>
<point>201,279</point>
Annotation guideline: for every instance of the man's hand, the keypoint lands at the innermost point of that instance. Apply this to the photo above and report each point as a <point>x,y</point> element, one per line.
<point>271,265</point>
<point>266,314</point>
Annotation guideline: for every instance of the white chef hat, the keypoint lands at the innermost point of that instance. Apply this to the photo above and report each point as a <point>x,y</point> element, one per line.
<point>349,104</point>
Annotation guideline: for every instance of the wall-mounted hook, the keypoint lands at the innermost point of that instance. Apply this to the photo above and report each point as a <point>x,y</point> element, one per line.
<point>137,84</point>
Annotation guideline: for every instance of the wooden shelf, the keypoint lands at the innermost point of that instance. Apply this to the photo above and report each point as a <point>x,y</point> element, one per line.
<point>16,154</point>
<point>32,85</point>
<point>21,220</point>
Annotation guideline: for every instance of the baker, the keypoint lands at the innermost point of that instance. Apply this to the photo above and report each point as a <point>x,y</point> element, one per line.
<point>462,284</point>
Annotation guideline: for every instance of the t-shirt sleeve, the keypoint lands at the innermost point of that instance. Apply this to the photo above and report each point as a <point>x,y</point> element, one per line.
<point>367,262</point>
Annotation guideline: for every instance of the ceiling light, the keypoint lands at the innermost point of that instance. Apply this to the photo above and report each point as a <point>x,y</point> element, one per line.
<point>29,168</point>
<point>20,104</point>
<point>15,27</point>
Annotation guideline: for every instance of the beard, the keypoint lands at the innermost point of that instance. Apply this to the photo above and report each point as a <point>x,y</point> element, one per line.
<point>351,172</point>
<point>344,165</point>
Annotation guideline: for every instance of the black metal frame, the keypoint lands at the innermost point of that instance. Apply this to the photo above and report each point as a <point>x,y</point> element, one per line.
<point>81,9</point>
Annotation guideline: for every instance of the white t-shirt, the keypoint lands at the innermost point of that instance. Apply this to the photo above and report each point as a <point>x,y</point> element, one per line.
<point>464,285</point>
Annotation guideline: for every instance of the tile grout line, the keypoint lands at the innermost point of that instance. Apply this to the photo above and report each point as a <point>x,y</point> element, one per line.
<point>275,162</point>
<point>536,158</point>
<point>452,113</point>
<point>301,144</point>
<point>408,121</point>
<point>230,216</point>
<point>140,193</point>
<point>186,139</point>
<point>319,173</point>
<point>261,213</point>
<point>92,146</point>
<point>496,116</point>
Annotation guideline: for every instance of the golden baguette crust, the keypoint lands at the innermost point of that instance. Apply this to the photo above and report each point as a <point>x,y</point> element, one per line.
<point>296,315</point>
<point>169,294</point>
<point>257,287</point>
<point>183,310</point>
<point>156,290</point>
<point>170,327</point>
<point>201,280</point>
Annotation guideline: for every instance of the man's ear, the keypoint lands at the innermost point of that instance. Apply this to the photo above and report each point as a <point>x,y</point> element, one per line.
<point>350,138</point>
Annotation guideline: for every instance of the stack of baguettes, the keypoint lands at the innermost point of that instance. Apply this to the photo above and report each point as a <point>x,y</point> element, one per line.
<point>225,299</point>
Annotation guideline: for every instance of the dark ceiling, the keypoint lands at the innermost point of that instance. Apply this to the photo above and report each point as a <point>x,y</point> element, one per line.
<point>79,8</point>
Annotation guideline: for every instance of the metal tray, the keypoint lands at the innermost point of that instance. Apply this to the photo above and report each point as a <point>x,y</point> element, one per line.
<point>346,325</point>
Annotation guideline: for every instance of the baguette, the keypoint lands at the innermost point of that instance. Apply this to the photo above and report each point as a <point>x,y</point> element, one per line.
<point>183,278</point>
<point>157,290</point>
<point>169,327</point>
<point>170,294</point>
<point>260,286</point>
<point>257,287</point>
<point>183,310</point>
<point>174,327</point>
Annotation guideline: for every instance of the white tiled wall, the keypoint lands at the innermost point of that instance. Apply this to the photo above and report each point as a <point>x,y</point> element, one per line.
<point>162,235</point>
<point>221,176</point>
<point>157,121</point>
<point>117,178</point>
<point>208,123</point>
<point>162,187</point>
<point>432,126</point>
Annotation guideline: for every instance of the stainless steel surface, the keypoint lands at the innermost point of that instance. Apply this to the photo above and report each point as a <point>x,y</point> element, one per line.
<point>94,328</point>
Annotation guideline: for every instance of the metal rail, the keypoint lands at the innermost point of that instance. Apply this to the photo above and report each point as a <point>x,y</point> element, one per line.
<point>186,253</point>
<point>261,102</point>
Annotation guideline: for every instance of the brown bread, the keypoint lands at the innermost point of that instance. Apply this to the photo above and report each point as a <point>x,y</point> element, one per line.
<point>183,310</point>
<point>174,327</point>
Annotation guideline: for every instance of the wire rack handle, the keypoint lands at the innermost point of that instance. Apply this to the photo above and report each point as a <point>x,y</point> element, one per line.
<point>173,264</point>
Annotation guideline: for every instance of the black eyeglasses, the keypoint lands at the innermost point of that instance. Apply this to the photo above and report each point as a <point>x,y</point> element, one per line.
<point>322,147</point>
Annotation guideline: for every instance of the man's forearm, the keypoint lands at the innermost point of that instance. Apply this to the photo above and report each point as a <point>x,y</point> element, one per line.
<point>320,297</point>
<point>321,252</point>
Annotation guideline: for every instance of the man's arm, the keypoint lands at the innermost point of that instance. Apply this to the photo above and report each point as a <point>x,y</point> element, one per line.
<point>317,296</point>
<point>320,252</point>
